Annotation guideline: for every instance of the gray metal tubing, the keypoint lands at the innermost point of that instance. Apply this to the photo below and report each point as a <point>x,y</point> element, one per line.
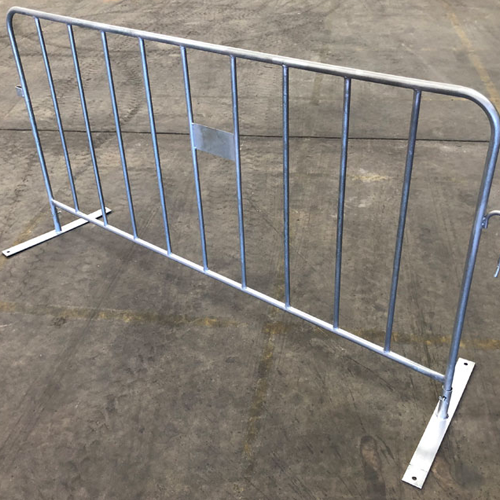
<point>34,128</point>
<point>286,185</point>
<point>369,76</point>
<point>341,200</point>
<point>410,153</point>
<point>357,74</point>
<point>236,126</point>
<point>475,237</point>
<point>56,111</point>
<point>254,293</point>
<point>154,138</point>
<point>118,132</point>
<point>486,220</point>
<point>189,107</point>
<point>87,122</point>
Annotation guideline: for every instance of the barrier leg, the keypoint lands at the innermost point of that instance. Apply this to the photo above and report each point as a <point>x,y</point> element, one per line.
<point>23,91</point>
<point>426,451</point>
<point>51,234</point>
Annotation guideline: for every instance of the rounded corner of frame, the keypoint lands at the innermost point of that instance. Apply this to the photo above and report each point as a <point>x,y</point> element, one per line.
<point>10,14</point>
<point>486,104</point>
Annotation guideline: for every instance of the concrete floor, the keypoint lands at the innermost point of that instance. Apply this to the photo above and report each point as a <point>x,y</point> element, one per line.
<point>127,376</point>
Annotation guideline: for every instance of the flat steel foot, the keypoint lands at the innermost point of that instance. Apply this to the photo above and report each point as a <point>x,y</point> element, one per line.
<point>51,234</point>
<point>426,451</point>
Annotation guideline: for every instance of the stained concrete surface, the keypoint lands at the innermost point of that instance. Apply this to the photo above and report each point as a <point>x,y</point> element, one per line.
<point>125,375</point>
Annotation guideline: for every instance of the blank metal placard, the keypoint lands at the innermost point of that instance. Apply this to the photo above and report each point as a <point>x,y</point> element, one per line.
<point>214,141</point>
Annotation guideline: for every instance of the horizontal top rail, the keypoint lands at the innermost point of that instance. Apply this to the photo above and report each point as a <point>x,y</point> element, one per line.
<point>357,74</point>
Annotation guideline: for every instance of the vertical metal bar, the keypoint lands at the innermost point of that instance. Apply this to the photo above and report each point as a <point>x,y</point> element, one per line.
<point>118,131</point>
<point>34,128</point>
<point>286,186</point>
<point>154,139</point>
<point>189,107</point>
<point>341,200</point>
<point>417,94</point>
<point>236,126</point>
<point>470,262</point>
<point>56,111</point>
<point>87,122</point>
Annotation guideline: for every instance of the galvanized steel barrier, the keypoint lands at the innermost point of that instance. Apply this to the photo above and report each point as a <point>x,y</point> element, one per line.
<point>227,145</point>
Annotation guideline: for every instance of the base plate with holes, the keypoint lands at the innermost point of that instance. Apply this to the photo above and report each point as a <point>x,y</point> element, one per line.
<point>426,451</point>
<point>51,234</point>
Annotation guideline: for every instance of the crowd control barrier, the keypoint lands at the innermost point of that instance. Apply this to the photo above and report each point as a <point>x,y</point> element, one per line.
<point>226,144</point>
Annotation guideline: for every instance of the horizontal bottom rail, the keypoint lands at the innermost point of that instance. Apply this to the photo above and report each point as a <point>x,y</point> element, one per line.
<point>424,370</point>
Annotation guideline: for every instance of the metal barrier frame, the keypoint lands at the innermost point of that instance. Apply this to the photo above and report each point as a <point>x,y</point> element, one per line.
<point>227,145</point>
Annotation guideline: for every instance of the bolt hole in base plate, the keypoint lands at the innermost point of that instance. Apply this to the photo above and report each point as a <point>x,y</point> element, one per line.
<point>426,451</point>
<point>51,234</point>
